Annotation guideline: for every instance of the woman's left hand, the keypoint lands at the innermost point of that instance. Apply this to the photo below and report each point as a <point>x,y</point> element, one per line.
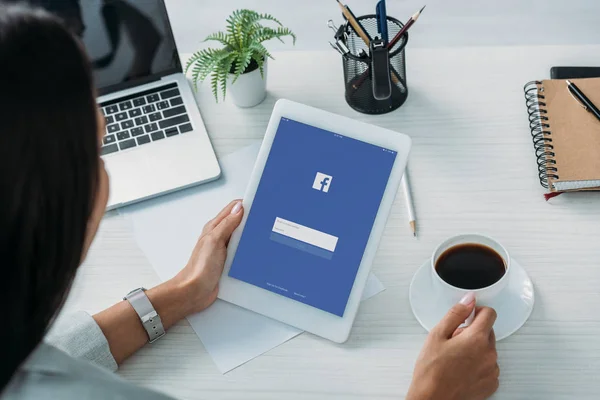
<point>201,275</point>
<point>192,290</point>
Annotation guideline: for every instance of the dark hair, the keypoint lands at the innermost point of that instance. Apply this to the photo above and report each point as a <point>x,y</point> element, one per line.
<point>48,173</point>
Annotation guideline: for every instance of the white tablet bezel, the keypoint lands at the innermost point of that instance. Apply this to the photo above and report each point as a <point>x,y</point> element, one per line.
<point>287,310</point>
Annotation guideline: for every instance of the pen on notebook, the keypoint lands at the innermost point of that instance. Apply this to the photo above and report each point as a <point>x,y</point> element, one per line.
<point>412,221</point>
<point>358,28</point>
<point>582,99</point>
<point>405,28</point>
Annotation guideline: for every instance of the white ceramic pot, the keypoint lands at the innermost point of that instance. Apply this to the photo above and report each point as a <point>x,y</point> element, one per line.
<point>250,89</point>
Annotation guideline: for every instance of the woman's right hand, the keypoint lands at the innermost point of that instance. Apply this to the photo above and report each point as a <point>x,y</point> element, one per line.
<point>199,279</point>
<point>458,363</point>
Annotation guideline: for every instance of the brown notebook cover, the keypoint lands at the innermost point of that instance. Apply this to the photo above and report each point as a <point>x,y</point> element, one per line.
<point>566,136</point>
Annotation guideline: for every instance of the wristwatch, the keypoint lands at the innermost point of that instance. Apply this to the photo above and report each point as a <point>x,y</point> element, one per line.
<point>150,318</point>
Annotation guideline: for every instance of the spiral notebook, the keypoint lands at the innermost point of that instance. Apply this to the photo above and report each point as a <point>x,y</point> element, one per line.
<point>566,137</point>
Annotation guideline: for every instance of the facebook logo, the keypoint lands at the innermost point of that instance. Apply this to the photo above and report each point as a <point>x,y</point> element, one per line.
<point>322,182</point>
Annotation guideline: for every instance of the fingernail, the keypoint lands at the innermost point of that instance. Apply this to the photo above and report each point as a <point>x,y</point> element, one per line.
<point>467,299</point>
<point>236,209</point>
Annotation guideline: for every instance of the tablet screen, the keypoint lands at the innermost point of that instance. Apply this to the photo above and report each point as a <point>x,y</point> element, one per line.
<point>312,215</point>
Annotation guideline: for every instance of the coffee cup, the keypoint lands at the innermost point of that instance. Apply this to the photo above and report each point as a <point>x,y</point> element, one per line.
<point>470,263</point>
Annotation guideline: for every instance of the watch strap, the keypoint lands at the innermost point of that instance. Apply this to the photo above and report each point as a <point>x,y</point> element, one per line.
<point>148,315</point>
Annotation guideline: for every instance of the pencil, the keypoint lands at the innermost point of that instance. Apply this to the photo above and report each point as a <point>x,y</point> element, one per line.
<point>360,31</point>
<point>412,221</point>
<point>405,28</point>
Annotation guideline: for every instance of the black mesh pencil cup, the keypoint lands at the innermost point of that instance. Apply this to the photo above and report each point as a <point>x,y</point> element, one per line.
<point>358,73</point>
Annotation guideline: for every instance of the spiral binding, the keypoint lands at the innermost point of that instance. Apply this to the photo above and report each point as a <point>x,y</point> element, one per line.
<point>540,132</point>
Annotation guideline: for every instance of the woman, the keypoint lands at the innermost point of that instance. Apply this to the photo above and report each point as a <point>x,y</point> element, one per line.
<point>53,192</point>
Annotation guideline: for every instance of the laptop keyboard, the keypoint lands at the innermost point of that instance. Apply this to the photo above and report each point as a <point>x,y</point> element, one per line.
<point>143,118</point>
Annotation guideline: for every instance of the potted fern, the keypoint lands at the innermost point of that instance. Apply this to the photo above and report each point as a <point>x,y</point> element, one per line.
<point>240,67</point>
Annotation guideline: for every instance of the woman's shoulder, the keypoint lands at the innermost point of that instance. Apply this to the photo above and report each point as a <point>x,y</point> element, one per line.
<point>50,373</point>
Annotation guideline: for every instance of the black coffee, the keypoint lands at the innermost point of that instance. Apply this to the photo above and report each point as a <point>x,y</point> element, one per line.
<point>470,266</point>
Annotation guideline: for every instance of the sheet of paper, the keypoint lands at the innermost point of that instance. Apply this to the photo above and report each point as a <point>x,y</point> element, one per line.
<point>167,228</point>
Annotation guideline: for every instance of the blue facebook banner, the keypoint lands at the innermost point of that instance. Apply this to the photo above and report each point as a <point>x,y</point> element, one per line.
<point>312,215</point>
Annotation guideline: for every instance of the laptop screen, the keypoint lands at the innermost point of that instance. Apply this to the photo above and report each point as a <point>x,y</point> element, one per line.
<point>128,41</point>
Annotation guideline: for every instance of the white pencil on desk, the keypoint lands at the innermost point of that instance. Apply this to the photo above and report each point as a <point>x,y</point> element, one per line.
<point>409,203</point>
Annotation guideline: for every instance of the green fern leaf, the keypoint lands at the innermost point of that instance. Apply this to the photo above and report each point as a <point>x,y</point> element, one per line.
<point>265,33</point>
<point>208,58</point>
<point>243,28</point>
<point>204,62</point>
<point>251,16</point>
<point>228,63</point>
<point>262,71</point>
<point>272,34</point>
<point>222,38</point>
<point>213,63</point>
<point>242,63</point>
<point>214,82</point>
<point>195,57</point>
<point>223,81</point>
<point>248,23</point>
<point>262,50</point>
<point>269,17</point>
<point>195,76</point>
<point>198,60</point>
<point>234,27</point>
<point>232,31</point>
<point>260,60</point>
<point>281,32</point>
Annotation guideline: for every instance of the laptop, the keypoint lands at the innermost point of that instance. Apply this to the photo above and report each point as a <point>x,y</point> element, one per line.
<point>155,140</point>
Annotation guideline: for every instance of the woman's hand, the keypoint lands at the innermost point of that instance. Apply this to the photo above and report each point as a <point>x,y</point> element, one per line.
<point>191,291</point>
<point>458,363</point>
<point>201,275</point>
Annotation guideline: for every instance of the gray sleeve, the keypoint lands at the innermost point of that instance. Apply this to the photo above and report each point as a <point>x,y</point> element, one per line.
<point>80,336</point>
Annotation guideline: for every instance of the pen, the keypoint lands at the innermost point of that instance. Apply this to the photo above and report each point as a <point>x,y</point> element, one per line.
<point>382,21</point>
<point>412,221</point>
<point>582,99</point>
<point>360,31</point>
<point>405,28</point>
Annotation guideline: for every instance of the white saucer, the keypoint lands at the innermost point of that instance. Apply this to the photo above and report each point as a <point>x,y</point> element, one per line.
<point>513,305</point>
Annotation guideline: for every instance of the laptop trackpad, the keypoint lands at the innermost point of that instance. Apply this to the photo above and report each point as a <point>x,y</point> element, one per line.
<point>157,168</point>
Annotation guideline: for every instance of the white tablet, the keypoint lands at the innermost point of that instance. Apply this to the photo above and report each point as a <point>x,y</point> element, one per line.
<point>315,209</point>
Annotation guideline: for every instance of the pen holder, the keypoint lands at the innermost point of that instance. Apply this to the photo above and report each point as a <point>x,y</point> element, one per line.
<point>358,75</point>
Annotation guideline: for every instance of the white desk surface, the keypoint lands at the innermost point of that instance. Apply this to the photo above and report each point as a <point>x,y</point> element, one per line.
<point>444,23</point>
<point>472,169</point>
